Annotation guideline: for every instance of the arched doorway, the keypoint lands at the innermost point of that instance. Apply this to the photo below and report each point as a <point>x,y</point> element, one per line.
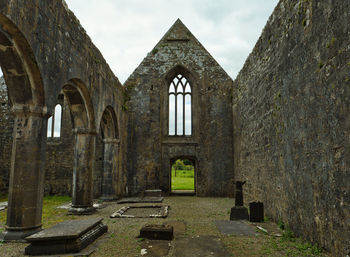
<point>110,139</point>
<point>183,176</point>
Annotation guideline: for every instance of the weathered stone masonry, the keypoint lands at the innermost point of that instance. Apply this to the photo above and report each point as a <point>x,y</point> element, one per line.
<point>283,125</point>
<point>150,149</point>
<point>292,121</point>
<point>45,52</point>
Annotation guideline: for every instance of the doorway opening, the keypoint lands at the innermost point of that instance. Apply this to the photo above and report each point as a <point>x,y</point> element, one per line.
<point>183,177</point>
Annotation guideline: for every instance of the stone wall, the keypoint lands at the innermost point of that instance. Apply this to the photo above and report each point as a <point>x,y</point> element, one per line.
<point>150,149</point>
<point>57,51</point>
<point>292,121</point>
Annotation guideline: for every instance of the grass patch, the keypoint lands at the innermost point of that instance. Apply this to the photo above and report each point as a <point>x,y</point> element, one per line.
<point>184,179</point>
<point>51,215</point>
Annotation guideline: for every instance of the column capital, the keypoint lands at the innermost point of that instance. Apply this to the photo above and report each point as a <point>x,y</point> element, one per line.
<point>87,131</point>
<point>29,109</point>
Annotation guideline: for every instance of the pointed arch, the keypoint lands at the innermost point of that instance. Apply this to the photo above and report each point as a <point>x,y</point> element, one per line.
<point>109,124</point>
<point>179,101</point>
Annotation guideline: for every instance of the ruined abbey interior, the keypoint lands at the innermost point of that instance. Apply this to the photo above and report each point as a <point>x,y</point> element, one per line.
<point>68,126</point>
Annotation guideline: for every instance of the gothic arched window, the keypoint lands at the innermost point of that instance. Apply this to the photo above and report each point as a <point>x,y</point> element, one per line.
<point>54,123</point>
<point>180,107</point>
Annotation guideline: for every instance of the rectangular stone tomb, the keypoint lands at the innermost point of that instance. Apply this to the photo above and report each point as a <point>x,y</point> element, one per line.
<point>157,232</point>
<point>66,237</point>
<point>146,211</point>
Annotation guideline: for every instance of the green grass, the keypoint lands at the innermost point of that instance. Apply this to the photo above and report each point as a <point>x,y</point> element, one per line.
<point>184,180</point>
<point>51,215</point>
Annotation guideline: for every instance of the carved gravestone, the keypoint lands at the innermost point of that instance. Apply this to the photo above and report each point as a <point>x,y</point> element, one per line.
<point>239,193</point>
<point>66,237</point>
<point>239,212</point>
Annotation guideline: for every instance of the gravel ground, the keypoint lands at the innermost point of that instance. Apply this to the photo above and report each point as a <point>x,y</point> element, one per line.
<point>198,213</point>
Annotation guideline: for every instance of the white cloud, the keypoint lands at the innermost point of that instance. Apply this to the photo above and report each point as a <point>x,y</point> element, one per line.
<point>126,30</point>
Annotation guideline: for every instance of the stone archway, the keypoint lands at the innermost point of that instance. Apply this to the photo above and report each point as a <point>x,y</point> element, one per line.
<point>110,136</point>
<point>185,190</point>
<point>82,114</point>
<point>26,98</point>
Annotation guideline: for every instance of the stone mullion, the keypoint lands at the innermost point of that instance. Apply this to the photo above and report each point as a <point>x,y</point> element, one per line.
<point>183,113</point>
<point>53,123</point>
<point>176,111</point>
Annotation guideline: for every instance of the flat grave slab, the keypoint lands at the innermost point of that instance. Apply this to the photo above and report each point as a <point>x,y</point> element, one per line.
<point>145,211</point>
<point>147,199</point>
<point>235,227</point>
<point>69,205</point>
<point>66,237</point>
<point>200,246</point>
<point>153,193</point>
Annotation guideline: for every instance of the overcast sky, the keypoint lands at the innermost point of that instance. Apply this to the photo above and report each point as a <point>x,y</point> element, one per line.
<point>126,30</point>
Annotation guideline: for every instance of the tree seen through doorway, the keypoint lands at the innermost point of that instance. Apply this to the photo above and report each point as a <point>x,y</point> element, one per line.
<point>182,175</point>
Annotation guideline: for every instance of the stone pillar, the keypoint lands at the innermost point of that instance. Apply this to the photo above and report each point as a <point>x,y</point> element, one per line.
<point>26,187</point>
<point>110,155</point>
<point>84,154</point>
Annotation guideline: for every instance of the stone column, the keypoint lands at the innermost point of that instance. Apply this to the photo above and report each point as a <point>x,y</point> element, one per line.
<point>84,154</point>
<point>26,187</point>
<point>110,155</point>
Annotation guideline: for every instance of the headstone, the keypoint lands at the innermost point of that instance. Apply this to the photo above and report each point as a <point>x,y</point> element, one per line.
<point>66,237</point>
<point>239,213</point>
<point>239,193</point>
<point>256,211</point>
<point>157,232</point>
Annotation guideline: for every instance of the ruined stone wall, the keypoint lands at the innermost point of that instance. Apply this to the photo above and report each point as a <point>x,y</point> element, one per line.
<point>292,121</point>
<point>60,158</point>
<point>6,128</point>
<point>62,51</point>
<point>150,149</point>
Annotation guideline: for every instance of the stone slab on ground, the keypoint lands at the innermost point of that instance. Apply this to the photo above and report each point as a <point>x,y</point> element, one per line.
<point>66,237</point>
<point>69,205</point>
<point>148,199</point>
<point>144,211</point>
<point>157,232</point>
<point>235,227</point>
<point>200,246</point>
<point>155,248</point>
<point>152,193</point>
<point>3,206</point>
